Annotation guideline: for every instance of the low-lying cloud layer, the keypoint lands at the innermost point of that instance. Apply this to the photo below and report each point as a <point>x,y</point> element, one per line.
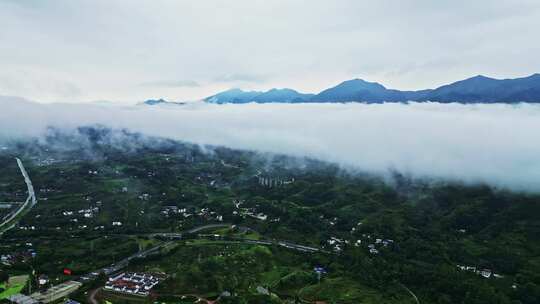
<point>494,144</point>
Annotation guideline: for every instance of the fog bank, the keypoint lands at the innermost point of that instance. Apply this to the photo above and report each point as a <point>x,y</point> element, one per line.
<point>494,144</point>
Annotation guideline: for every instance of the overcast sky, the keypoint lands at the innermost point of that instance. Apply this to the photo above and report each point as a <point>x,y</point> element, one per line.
<point>128,51</point>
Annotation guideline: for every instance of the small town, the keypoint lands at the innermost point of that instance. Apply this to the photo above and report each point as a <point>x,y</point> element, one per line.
<point>132,283</point>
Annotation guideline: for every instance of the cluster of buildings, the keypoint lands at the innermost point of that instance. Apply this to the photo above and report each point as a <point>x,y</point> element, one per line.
<point>206,213</point>
<point>249,212</point>
<point>43,280</point>
<point>328,221</point>
<point>170,210</point>
<point>257,215</point>
<point>271,182</point>
<point>174,210</point>
<point>48,161</point>
<point>183,213</point>
<point>484,272</point>
<point>86,213</point>
<point>209,214</point>
<point>21,256</point>
<point>336,243</point>
<point>377,244</point>
<point>144,197</point>
<point>81,214</point>
<point>132,283</point>
<point>374,245</point>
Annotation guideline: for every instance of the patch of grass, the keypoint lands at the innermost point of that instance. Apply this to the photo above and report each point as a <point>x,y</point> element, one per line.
<point>271,277</point>
<point>253,236</point>
<point>145,243</point>
<point>16,284</point>
<point>344,291</point>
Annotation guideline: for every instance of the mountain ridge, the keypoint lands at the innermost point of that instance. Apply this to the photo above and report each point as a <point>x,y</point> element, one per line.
<point>476,89</point>
<point>239,96</point>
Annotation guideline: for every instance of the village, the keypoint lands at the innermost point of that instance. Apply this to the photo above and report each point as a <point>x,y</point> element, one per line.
<point>140,284</point>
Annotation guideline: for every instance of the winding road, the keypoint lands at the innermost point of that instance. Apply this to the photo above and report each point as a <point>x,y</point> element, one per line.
<point>411,293</point>
<point>10,221</point>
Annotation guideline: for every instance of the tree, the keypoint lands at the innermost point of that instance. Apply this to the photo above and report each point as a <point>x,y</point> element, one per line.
<point>4,277</point>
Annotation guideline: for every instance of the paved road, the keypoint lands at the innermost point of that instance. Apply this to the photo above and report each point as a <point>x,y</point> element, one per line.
<point>121,264</point>
<point>268,242</point>
<point>56,292</point>
<point>411,293</point>
<point>179,235</point>
<point>210,226</point>
<point>92,296</point>
<point>286,244</point>
<point>31,193</point>
<point>124,262</point>
<point>31,200</point>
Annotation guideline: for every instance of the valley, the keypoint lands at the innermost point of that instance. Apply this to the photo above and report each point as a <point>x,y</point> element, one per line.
<point>240,227</point>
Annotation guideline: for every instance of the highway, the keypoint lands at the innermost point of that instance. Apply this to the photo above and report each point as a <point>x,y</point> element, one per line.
<point>210,226</point>
<point>31,193</point>
<point>177,236</point>
<point>121,264</point>
<point>10,220</point>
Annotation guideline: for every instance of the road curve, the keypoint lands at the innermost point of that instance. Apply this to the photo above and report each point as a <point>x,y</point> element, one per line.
<point>92,296</point>
<point>29,203</point>
<point>411,293</point>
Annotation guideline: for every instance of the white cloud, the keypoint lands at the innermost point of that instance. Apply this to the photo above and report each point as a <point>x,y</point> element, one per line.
<point>171,83</point>
<point>495,144</point>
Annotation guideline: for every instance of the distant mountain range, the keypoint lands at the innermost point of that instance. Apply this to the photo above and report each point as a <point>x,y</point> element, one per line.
<point>161,101</point>
<point>478,89</point>
<point>273,95</point>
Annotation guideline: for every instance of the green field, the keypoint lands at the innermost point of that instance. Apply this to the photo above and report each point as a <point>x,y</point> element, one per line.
<point>348,292</point>
<point>16,284</point>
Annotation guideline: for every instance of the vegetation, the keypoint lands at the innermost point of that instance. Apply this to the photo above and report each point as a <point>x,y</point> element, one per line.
<point>12,286</point>
<point>425,233</point>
